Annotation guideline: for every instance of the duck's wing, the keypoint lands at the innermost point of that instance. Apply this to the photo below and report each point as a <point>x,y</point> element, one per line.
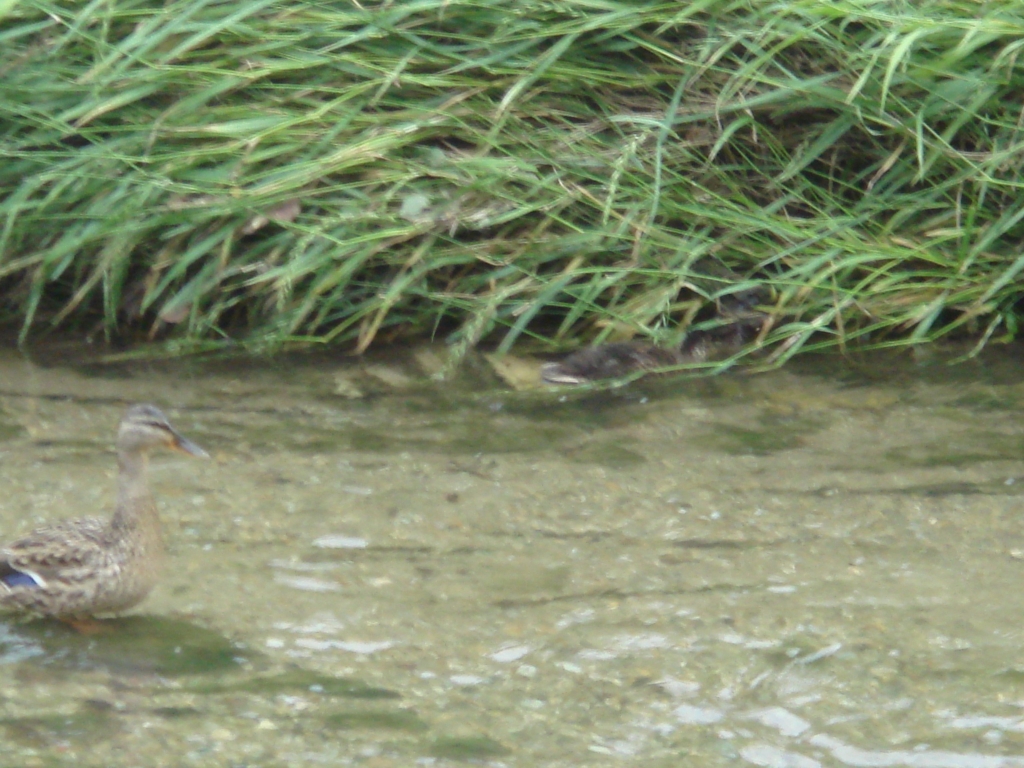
<point>61,552</point>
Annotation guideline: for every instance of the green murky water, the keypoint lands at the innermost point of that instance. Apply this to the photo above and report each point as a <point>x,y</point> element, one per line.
<point>813,567</point>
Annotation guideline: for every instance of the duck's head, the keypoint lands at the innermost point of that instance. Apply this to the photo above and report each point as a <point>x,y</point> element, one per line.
<point>145,427</point>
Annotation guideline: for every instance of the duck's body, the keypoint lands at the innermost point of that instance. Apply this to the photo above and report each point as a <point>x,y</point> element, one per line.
<point>610,361</point>
<point>620,359</point>
<point>82,568</point>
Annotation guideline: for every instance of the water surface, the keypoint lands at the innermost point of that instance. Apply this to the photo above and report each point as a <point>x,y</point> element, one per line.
<point>816,566</point>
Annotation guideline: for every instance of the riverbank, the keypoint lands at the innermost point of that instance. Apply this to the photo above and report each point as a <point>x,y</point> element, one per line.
<point>267,174</point>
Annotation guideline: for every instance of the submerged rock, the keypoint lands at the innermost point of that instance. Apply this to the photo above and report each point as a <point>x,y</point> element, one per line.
<point>518,372</point>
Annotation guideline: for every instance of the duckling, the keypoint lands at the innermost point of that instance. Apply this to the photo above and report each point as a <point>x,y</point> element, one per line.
<point>78,569</point>
<point>609,361</point>
<point>619,359</point>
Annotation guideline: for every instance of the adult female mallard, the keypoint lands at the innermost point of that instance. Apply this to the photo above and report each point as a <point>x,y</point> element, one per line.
<point>80,568</point>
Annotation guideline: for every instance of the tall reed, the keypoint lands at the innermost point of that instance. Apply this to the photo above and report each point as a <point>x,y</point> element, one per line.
<point>270,171</point>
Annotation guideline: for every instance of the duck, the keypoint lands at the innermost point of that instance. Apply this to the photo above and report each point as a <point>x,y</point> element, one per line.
<point>79,569</point>
<point>610,361</point>
<point>625,358</point>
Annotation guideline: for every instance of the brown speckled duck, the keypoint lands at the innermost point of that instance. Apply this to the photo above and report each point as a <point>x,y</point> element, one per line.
<point>77,569</point>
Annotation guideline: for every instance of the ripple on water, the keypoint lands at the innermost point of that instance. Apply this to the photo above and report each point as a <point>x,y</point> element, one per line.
<point>922,758</point>
<point>364,647</point>
<point>691,714</point>
<point>337,541</point>
<point>306,583</point>
<point>773,757</point>
<point>782,720</point>
<point>510,653</point>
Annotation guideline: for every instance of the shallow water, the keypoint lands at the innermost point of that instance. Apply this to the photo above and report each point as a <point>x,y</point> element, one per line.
<point>816,566</point>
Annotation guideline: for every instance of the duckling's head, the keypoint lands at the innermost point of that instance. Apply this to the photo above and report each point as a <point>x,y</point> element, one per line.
<point>145,427</point>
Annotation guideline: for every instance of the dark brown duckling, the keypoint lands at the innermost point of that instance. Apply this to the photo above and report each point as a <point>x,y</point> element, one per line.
<point>610,361</point>
<point>739,322</point>
<point>614,361</point>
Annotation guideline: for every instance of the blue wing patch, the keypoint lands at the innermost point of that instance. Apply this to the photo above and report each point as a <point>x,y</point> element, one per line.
<point>19,579</point>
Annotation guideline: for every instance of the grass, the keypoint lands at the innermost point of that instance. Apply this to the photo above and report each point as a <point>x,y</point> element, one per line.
<point>270,173</point>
